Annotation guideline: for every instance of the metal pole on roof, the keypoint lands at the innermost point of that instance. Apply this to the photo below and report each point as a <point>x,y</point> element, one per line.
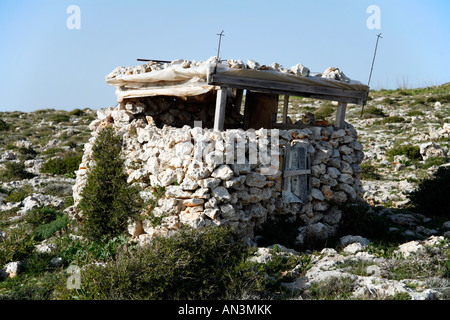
<point>218,49</point>
<point>220,40</point>
<point>371,69</point>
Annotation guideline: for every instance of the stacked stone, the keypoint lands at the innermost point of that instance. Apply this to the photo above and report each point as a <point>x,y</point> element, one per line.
<point>173,111</point>
<point>205,186</point>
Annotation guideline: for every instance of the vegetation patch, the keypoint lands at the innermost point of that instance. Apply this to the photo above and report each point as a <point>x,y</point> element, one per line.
<point>411,151</point>
<point>108,201</point>
<point>66,165</point>
<point>430,196</point>
<point>325,111</point>
<point>373,112</point>
<point>369,172</point>
<point>4,126</point>
<point>392,119</point>
<point>15,171</point>
<point>18,195</point>
<point>192,264</point>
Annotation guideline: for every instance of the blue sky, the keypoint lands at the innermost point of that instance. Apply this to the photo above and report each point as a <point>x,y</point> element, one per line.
<point>46,65</point>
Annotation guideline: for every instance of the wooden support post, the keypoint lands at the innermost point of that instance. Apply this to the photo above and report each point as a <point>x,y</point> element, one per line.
<point>285,108</point>
<point>340,115</point>
<point>221,102</point>
<point>238,101</point>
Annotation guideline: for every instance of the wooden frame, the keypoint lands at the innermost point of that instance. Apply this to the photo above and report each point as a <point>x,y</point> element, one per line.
<point>221,102</point>
<point>342,96</point>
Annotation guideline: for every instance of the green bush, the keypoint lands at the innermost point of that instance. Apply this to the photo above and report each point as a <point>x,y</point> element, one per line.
<point>108,201</point>
<point>393,119</point>
<point>40,216</point>
<point>388,101</point>
<point>4,126</point>
<point>442,98</point>
<point>430,198</point>
<point>361,219</point>
<point>16,245</point>
<point>18,195</point>
<point>192,264</point>
<point>324,111</point>
<point>411,151</point>
<point>77,112</point>
<point>82,252</point>
<point>373,112</point>
<point>335,288</point>
<point>27,153</point>
<point>418,101</point>
<point>433,161</point>
<point>15,171</point>
<point>415,113</point>
<point>369,172</point>
<point>59,118</point>
<point>61,166</point>
<point>46,231</point>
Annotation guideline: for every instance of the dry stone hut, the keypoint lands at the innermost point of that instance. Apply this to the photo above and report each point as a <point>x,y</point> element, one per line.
<point>226,162</point>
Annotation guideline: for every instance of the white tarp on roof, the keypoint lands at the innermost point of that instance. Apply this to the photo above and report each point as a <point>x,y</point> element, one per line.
<point>185,78</point>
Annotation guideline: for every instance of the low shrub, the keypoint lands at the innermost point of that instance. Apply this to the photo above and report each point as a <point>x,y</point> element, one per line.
<point>46,231</point>
<point>192,264</point>
<point>369,172</point>
<point>361,219</point>
<point>418,101</point>
<point>388,101</point>
<point>442,98</point>
<point>411,151</point>
<point>76,112</point>
<point>17,244</point>
<point>27,153</point>
<point>335,288</point>
<point>415,113</point>
<point>15,171</point>
<point>59,118</point>
<point>18,195</point>
<point>82,252</point>
<point>430,198</point>
<point>433,161</point>
<point>324,111</point>
<point>63,166</point>
<point>392,119</point>
<point>373,112</point>
<point>40,216</point>
<point>4,126</point>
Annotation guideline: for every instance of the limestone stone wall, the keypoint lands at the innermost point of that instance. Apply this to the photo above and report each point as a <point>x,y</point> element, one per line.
<point>207,183</point>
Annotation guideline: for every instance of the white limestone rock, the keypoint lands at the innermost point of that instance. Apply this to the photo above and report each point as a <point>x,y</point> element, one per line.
<point>223,172</point>
<point>300,70</point>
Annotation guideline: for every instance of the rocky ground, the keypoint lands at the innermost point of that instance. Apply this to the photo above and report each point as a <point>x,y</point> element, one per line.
<point>357,267</point>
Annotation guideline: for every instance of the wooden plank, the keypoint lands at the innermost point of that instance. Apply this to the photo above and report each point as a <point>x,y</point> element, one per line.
<point>299,182</point>
<point>340,115</point>
<point>221,102</point>
<point>295,172</point>
<point>238,99</point>
<point>301,94</point>
<point>217,79</point>
<point>286,164</point>
<point>285,108</point>
<point>260,110</point>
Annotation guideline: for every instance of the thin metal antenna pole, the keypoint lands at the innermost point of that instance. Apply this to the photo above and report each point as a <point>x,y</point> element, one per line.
<point>374,55</point>
<point>371,69</point>
<point>220,40</point>
<point>218,50</point>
